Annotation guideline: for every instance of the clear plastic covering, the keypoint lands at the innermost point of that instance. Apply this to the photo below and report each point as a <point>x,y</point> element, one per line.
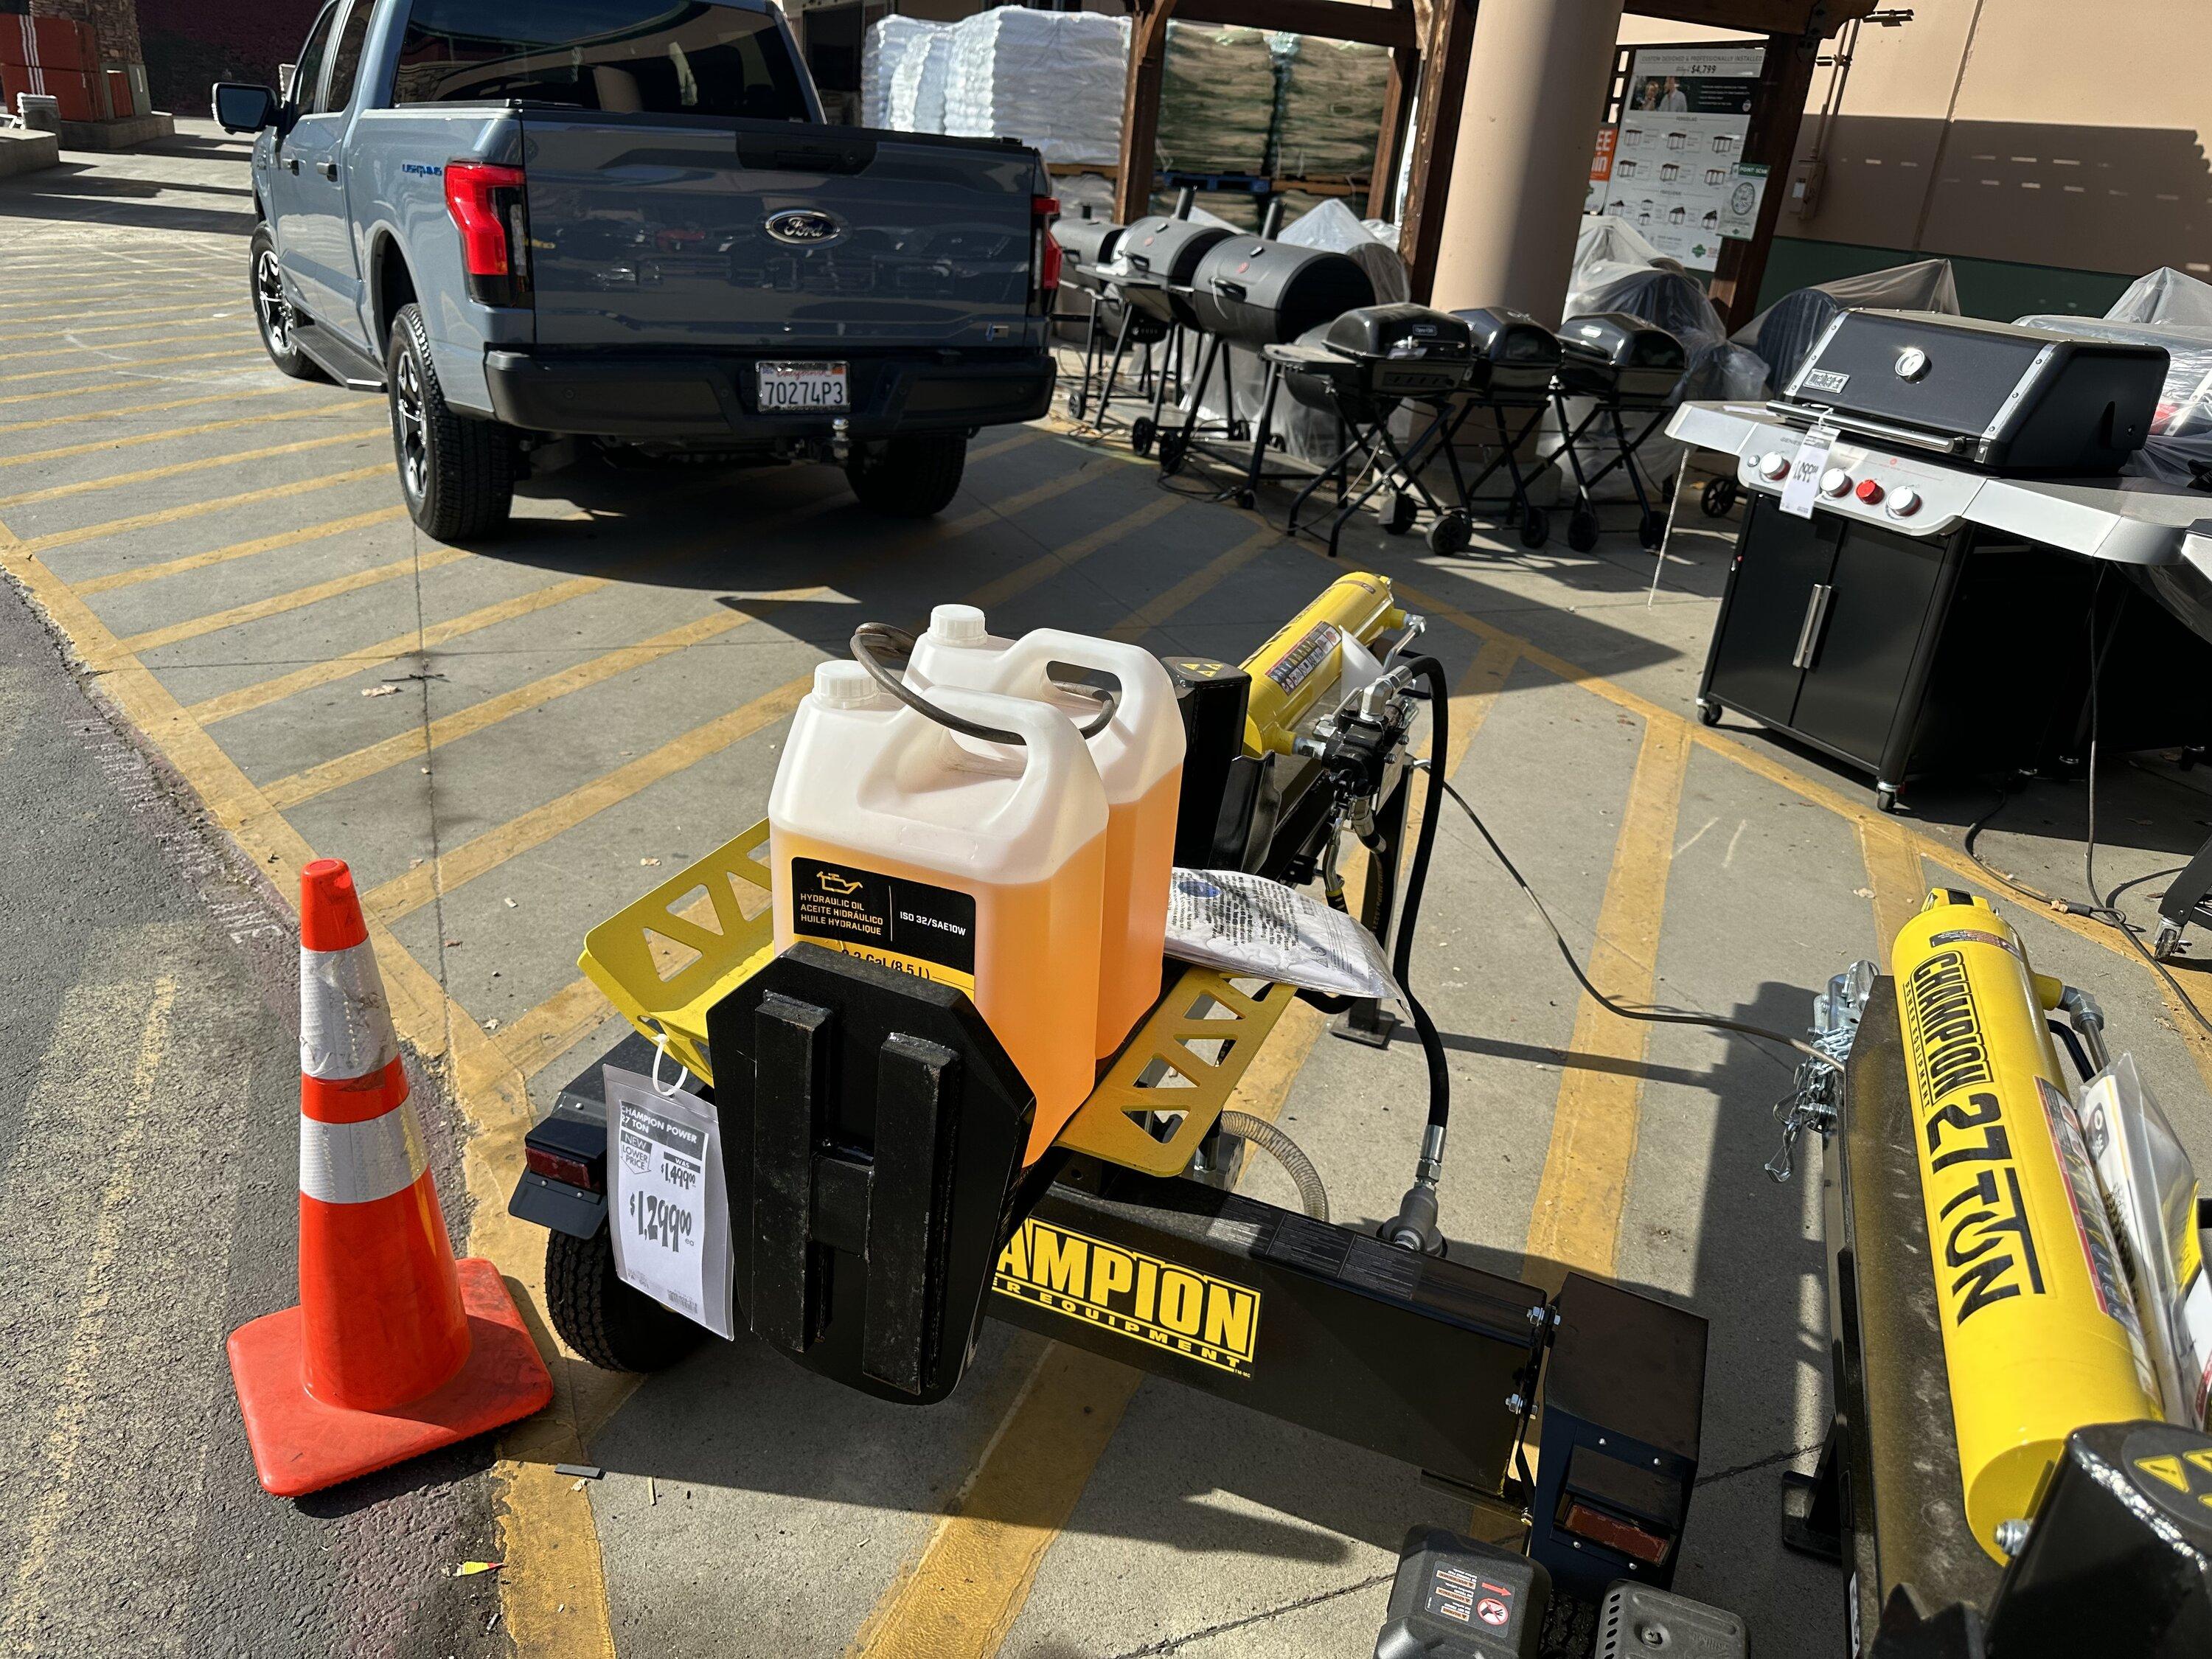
<point>882,51</point>
<point>2172,310</point>
<point>1785,331</point>
<point>1328,109</point>
<point>1053,80</point>
<point>916,103</point>
<point>1217,99</point>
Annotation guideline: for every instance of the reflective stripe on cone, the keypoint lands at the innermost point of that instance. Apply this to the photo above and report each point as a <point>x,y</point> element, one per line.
<point>360,1163</point>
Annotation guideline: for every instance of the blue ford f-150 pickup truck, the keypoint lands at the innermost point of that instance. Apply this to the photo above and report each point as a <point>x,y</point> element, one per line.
<point>623,221</point>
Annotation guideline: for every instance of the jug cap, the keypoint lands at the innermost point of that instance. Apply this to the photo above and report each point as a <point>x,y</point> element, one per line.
<point>843,685</point>
<point>958,624</point>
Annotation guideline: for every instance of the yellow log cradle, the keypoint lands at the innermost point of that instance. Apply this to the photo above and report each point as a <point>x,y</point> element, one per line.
<point>2040,1333</point>
<point>1306,655</point>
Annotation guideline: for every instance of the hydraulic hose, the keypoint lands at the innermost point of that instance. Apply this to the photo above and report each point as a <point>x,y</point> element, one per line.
<point>1417,876</point>
<point>1313,1198</point>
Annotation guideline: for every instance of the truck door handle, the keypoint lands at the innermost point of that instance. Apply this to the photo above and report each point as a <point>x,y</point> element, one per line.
<point>1816,621</point>
<point>330,170</point>
<point>293,162</point>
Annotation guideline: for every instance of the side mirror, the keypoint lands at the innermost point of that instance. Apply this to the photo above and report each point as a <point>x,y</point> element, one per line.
<point>242,107</point>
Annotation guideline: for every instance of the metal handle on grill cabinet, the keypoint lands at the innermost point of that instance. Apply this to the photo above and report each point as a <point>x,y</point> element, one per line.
<point>1867,426</point>
<point>1816,621</point>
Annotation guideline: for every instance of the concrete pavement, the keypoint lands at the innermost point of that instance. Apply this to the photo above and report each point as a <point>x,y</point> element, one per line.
<point>512,742</point>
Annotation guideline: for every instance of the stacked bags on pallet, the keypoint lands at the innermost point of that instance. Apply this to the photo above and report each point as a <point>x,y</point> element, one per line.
<point>1217,99</point>
<point>1328,105</point>
<point>883,49</point>
<point>916,103</point>
<point>1053,80</point>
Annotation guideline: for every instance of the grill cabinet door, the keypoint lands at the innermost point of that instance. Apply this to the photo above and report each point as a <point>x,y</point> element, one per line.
<point>1858,668</point>
<point>1780,561</point>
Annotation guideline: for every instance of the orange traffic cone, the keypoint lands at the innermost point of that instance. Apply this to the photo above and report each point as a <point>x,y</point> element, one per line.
<point>395,1349</point>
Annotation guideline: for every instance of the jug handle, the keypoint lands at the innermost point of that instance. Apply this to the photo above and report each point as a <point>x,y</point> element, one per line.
<point>1038,726</point>
<point>872,642</point>
<point>1041,648</point>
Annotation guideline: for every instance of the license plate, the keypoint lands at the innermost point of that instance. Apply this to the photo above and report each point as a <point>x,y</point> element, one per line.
<point>801,388</point>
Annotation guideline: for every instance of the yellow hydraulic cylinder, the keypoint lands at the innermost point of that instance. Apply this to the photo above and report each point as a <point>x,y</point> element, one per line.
<point>2040,1335</point>
<point>1306,657</point>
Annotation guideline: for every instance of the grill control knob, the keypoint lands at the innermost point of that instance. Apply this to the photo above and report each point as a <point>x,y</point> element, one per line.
<point>1774,464</point>
<point>1904,501</point>
<point>1868,491</point>
<point>1835,481</point>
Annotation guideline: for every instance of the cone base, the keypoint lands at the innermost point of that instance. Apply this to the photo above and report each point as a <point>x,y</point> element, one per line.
<point>302,1445</point>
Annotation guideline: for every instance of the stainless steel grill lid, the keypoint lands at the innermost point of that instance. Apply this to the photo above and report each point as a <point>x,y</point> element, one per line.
<point>1618,355</point>
<point>1256,293</point>
<point>1994,395</point>
<point>1514,351</point>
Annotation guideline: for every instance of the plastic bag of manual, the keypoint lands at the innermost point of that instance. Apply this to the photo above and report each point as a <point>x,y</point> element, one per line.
<point>1241,924</point>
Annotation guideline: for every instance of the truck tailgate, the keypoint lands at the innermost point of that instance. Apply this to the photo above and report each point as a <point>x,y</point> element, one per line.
<point>762,234</point>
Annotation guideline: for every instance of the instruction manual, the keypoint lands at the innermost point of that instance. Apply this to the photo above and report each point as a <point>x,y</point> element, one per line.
<point>1244,924</point>
<point>667,1203</point>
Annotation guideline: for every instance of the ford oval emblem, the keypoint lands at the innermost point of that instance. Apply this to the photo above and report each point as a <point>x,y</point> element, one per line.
<point>803,226</point>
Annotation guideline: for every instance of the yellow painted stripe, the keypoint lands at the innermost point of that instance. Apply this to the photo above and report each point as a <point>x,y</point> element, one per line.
<point>117,345</point>
<point>535,1040</point>
<point>73,331</point>
<point>110,365</point>
<point>278,605</point>
<point>553,1595</point>
<point>403,895</point>
<point>44,421</point>
<point>1209,576</point>
<point>1895,884</point>
<point>1576,1223</point>
<point>137,384</point>
<point>98,445</point>
<point>418,739</point>
<point>188,561</point>
<point>352,434</point>
<point>54,314</point>
<point>131,525</point>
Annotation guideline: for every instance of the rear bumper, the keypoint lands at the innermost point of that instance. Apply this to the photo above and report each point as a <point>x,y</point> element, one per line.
<point>711,396</point>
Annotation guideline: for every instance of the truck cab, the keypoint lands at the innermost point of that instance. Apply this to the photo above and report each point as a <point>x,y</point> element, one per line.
<point>625,222</point>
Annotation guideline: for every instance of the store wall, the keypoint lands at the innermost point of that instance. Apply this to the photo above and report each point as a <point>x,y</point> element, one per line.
<point>192,43</point>
<point>2051,159</point>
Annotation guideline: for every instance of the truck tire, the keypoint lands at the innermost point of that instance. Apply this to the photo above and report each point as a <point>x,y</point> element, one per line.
<point>910,477</point>
<point>272,312</point>
<point>610,1325</point>
<point>456,474</point>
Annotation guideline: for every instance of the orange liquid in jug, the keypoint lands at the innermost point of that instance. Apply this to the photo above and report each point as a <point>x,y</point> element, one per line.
<point>1140,856</point>
<point>1036,963</point>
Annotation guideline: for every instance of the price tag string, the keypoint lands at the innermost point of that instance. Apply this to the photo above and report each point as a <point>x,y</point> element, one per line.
<point>682,1071</point>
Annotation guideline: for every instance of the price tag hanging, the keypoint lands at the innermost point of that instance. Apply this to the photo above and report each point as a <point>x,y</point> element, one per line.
<point>1803,488</point>
<point>667,1201</point>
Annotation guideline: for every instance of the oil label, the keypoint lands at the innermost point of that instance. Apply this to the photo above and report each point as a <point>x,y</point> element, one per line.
<point>1143,1297</point>
<point>911,925</point>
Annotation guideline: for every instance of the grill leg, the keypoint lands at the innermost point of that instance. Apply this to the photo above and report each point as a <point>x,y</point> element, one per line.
<point>1114,371</point>
<point>1270,384</point>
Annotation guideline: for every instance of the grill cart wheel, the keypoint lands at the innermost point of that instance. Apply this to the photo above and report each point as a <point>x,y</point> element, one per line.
<point>913,476</point>
<point>1536,527</point>
<point>1709,713</point>
<point>1075,404</point>
<point>612,1326</point>
<point>1718,499</point>
<point>1398,511</point>
<point>1450,533</point>
<point>1652,531</point>
<point>1170,446</point>
<point>1246,500</point>
<point>1582,529</point>
<point>1141,434</point>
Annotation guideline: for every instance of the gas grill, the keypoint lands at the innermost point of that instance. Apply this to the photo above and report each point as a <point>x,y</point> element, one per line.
<point>1625,366</point>
<point>1914,592</point>
<point>1362,368</point>
<point>1250,293</point>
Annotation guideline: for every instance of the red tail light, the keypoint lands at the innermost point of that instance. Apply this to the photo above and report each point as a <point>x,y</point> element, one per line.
<point>560,1166</point>
<point>1045,253</point>
<point>486,202</point>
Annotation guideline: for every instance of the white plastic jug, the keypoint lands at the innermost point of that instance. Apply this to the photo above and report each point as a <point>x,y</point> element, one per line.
<point>978,865</point>
<point>1140,758</point>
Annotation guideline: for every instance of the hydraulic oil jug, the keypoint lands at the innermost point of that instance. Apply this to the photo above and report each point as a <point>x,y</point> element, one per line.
<point>978,865</point>
<point>1138,754</point>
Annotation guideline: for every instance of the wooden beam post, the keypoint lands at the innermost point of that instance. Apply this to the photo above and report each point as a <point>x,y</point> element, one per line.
<point>1390,141</point>
<point>1435,140</point>
<point>1140,109</point>
<point>1777,111</point>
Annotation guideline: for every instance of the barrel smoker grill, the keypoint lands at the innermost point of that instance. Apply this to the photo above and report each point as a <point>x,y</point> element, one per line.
<point>1248,294</point>
<point>1110,328</point>
<point>1154,260</point>
<point>1940,606</point>
<point>1626,368</point>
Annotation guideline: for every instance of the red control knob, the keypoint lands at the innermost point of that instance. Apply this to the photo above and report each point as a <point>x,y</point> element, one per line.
<point>1869,491</point>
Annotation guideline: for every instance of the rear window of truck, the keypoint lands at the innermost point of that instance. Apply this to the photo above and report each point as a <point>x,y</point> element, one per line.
<point>650,56</point>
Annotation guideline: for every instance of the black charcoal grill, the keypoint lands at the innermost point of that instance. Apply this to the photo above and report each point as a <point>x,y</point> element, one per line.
<point>1113,328</point>
<point>1250,293</point>
<point>1154,260</point>
<point>1363,368</point>
<point>1625,367</point>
